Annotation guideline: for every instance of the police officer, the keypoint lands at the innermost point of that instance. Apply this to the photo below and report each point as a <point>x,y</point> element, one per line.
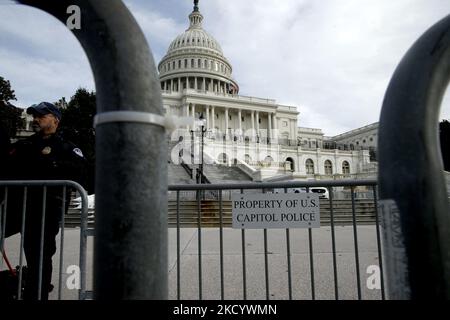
<point>46,155</point>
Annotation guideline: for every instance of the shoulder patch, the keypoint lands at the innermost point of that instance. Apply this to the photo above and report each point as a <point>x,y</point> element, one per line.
<point>78,152</point>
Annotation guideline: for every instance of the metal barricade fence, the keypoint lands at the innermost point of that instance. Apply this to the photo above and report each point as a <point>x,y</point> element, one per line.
<point>210,260</point>
<point>35,209</point>
<point>203,243</point>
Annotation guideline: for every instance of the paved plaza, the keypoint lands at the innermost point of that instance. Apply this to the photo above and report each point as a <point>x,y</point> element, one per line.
<point>255,263</point>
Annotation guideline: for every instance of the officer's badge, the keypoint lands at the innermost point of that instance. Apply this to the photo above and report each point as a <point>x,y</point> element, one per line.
<point>78,152</point>
<point>46,150</point>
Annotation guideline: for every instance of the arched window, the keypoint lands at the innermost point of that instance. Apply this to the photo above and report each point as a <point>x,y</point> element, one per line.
<point>328,167</point>
<point>268,161</point>
<point>309,166</point>
<point>345,167</point>
<point>290,164</point>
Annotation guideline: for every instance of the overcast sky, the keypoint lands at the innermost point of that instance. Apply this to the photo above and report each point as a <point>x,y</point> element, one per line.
<point>332,59</point>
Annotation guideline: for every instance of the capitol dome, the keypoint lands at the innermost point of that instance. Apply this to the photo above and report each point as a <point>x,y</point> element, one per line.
<point>195,60</point>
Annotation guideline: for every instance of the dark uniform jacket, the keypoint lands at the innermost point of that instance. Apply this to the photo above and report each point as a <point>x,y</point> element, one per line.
<point>52,158</point>
<point>36,158</point>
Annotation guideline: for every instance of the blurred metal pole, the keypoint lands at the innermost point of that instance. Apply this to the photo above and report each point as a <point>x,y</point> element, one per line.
<point>130,254</point>
<point>414,202</point>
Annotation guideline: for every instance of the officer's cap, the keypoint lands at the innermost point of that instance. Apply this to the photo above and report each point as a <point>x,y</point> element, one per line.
<point>44,108</point>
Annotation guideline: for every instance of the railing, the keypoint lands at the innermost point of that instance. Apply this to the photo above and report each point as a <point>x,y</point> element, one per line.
<point>37,210</point>
<point>212,260</point>
<point>288,142</point>
<point>187,168</point>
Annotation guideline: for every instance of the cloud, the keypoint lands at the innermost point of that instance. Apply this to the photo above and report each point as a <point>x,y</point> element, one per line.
<point>333,59</point>
<point>158,29</point>
<point>336,57</point>
<point>40,57</point>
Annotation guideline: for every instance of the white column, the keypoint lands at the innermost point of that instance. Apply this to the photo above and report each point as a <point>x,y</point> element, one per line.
<point>207,117</point>
<point>204,84</point>
<point>195,83</point>
<point>187,114</point>
<point>275,127</point>
<point>269,125</point>
<point>194,127</point>
<point>240,123</point>
<point>253,126</point>
<point>292,135</point>
<point>257,122</point>
<point>226,123</point>
<point>187,82</point>
<point>171,85</point>
<point>179,85</point>
<point>213,122</point>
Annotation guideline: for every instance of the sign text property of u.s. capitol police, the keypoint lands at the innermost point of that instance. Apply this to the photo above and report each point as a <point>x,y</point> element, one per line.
<point>268,210</point>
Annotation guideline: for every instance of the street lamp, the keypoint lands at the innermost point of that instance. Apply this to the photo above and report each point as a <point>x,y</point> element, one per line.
<point>202,123</point>
<point>192,150</point>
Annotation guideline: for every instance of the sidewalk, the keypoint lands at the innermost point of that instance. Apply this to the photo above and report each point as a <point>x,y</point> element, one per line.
<point>255,266</point>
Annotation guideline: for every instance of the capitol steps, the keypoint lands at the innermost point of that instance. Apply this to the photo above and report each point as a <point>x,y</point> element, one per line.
<point>225,174</point>
<point>210,213</point>
<point>176,174</point>
<point>73,218</point>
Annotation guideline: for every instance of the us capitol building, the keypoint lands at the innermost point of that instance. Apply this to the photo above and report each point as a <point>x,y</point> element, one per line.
<point>256,136</point>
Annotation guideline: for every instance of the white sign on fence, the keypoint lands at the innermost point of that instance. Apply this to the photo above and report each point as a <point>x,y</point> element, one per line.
<point>268,210</point>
